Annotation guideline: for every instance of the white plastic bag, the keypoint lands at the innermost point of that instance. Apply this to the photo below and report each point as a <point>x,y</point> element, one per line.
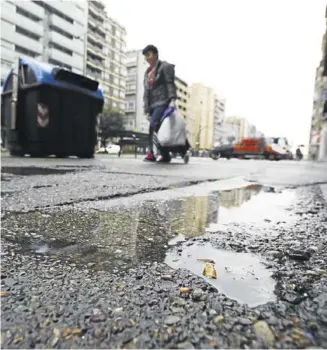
<point>172,131</point>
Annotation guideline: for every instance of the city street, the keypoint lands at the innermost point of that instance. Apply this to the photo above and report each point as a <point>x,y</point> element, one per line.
<point>114,253</point>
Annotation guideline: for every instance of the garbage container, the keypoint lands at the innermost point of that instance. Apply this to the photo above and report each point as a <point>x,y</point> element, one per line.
<point>48,110</point>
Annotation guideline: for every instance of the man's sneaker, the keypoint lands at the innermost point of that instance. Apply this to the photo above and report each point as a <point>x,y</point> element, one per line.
<point>150,158</point>
<point>162,159</point>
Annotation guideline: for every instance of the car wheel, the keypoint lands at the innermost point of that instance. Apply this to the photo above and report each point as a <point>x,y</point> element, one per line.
<point>215,156</point>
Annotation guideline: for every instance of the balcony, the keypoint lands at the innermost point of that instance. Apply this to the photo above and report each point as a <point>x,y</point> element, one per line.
<point>32,7</point>
<point>94,11</point>
<point>25,22</point>
<point>130,92</point>
<point>27,43</point>
<point>73,45</point>
<point>95,51</point>
<point>99,5</point>
<point>61,23</point>
<point>95,63</point>
<point>68,9</point>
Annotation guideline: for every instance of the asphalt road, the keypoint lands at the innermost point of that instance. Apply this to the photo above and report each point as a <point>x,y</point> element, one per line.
<point>108,253</point>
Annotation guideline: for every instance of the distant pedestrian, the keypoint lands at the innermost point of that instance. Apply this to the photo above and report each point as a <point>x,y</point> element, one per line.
<point>159,94</point>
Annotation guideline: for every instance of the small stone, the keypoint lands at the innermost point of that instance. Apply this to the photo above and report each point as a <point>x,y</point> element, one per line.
<point>218,320</point>
<point>167,277</point>
<point>91,264</point>
<point>299,255</point>
<point>264,333</point>
<point>244,321</point>
<point>212,312</point>
<point>171,320</point>
<point>197,294</point>
<point>10,282</point>
<point>272,321</point>
<point>185,345</point>
<point>117,311</point>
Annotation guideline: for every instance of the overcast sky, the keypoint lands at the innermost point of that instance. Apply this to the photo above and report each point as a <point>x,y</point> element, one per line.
<point>260,55</point>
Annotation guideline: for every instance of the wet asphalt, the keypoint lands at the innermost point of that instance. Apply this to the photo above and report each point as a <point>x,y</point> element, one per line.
<point>110,253</point>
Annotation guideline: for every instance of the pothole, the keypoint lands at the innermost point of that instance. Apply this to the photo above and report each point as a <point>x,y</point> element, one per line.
<point>155,230</point>
<point>30,171</point>
<point>240,276</point>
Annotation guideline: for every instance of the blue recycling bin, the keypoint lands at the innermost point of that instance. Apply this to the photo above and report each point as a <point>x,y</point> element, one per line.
<point>47,110</point>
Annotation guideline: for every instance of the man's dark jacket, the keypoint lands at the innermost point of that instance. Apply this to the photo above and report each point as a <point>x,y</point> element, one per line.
<point>163,89</point>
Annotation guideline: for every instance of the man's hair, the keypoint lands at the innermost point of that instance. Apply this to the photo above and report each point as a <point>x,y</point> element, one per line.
<point>150,48</point>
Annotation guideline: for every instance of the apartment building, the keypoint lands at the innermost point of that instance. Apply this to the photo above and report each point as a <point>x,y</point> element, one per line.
<point>49,31</point>
<point>240,127</point>
<point>105,54</point>
<point>318,127</point>
<point>135,119</point>
<point>201,116</point>
<point>182,96</point>
<point>220,132</point>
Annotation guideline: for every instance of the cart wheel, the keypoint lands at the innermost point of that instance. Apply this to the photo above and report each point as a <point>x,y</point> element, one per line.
<point>186,157</point>
<point>215,156</point>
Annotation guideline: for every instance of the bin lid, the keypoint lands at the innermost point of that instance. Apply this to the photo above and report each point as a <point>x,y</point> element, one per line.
<point>59,77</point>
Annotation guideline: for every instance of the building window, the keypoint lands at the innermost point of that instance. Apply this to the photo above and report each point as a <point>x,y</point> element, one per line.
<point>116,81</point>
<point>62,32</point>
<point>27,33</point>
<point>116,92</point>
<point>61,48</point>
<point>114,104</point>
<point>27,14</point>
<point>26,52</point>
<point>130,106</point>
<point>130,87</point>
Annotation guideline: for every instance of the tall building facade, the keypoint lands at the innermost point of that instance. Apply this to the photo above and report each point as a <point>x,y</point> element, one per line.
<point>219,132</point>
<point>239,127</point>
<point>201,116</point>
<point>182,96</point>
<point>135,119</point>
<point>48,31</point>
<point>105,54</point>
<point>318,127</point>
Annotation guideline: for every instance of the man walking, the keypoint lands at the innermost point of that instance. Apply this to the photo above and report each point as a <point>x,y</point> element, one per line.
<point>159,94</point>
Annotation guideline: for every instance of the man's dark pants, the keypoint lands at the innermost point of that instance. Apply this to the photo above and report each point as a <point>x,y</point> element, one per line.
<point>155,123</point>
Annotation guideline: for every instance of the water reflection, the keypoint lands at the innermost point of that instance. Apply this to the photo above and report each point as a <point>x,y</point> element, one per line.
<point>121,238</point>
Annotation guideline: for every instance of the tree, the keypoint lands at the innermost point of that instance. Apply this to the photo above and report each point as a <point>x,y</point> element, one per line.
<point>110,120</point>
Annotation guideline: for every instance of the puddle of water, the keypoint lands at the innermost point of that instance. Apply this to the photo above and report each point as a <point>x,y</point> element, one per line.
<point>29,171</point>
<point>240,276</point>
<point>148,232</point>
<point>253,205</point>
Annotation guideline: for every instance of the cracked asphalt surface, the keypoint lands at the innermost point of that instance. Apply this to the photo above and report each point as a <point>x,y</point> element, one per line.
<point>106,253</point>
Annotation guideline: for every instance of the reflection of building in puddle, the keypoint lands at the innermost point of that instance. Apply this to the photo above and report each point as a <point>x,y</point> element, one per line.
<point>194,216</point>
<point>236,197</point>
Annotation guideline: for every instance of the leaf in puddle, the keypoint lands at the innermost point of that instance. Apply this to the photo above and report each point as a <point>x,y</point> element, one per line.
<point>209,271</point>
<point>210,261</point>
<point>4,293</point>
